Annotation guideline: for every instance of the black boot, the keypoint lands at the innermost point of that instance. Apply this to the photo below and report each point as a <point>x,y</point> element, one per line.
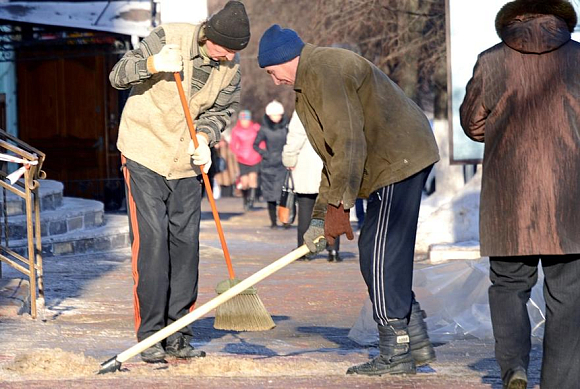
<point>251,198</point>
<point>516,379</point>
<point>334,256</point>
<point>272,213</point>
<point>178,346</point>
<point>154,354</point>
<point>421,347</point>
<point>245,194</point>
<point>395,354</point>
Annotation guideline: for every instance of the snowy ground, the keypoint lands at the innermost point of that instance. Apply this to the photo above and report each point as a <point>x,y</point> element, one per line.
<point>89,318</point>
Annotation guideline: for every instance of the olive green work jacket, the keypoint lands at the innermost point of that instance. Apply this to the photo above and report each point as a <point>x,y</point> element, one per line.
<point>368,133</point>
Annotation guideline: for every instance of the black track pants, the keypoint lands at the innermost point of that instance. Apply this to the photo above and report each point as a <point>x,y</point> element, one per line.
<point>387,246</point>
<point>164,218</point>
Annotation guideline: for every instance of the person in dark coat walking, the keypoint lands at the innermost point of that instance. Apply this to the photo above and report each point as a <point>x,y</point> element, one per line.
<point>272,172</point>
<point>374,143</point>
<point>523,102</point>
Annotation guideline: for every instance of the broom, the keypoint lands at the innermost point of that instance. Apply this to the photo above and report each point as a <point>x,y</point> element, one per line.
<point>244,312</point>
<point>114,364</point>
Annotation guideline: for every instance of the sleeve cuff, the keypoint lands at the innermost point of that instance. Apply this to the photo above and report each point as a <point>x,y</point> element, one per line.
<point>289,160</point>
<point>317,223</point>
<point>209,134</point>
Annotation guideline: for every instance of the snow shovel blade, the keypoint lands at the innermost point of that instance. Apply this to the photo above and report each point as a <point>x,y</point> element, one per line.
<point>114,363</point>
<point>110,366</point>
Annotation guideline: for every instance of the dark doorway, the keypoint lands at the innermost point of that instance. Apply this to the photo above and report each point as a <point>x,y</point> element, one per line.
<point>67,109</point>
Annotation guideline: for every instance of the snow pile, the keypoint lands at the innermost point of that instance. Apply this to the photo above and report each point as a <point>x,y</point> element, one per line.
<point>454,296</point>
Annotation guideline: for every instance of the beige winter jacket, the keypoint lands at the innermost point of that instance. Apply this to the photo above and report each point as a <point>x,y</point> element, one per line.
<point>153,130</point>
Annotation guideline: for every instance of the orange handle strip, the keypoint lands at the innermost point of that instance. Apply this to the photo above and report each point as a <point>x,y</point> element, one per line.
<point>216,216</point>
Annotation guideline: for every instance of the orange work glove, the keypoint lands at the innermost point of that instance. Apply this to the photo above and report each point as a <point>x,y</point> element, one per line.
<point>337,222</point>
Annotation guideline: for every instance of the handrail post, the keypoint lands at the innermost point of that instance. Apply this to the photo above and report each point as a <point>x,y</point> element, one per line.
<point>27,190</point>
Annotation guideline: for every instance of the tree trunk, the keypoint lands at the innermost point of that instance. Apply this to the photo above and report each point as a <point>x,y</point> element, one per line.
<point>411,29</point>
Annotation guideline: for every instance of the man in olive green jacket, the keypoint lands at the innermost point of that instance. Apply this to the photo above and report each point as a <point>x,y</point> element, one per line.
<point>375,143</point>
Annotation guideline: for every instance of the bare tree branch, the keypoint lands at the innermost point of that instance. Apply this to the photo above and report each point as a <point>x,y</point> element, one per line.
<point>405,38</point>
<point>429,15</point>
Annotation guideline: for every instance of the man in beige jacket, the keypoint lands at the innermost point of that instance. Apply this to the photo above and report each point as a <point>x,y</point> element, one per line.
<point>161,166</point>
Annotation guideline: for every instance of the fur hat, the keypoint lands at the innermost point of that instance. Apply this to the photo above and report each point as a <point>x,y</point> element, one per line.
<point>560,8</point>
<point>274,108</point>
<point>229,27</point>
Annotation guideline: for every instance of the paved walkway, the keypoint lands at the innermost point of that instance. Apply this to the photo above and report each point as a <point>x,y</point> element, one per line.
<point>89,318</point>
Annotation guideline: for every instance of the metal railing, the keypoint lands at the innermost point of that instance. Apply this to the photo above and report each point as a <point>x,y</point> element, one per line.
<point>26,188</point>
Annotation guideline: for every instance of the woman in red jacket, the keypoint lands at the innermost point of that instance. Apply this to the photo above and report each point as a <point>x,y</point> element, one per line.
<point>241,144</point>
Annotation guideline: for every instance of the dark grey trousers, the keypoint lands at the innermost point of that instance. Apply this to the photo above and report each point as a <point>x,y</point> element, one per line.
<point>387,246</point>
<point>164,217</point>
<point>512,281</point>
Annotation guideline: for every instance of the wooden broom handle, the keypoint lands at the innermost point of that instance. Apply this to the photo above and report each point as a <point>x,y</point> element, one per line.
<point>216,216</point>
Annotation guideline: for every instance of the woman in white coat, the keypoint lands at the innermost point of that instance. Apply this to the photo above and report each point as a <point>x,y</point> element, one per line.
<point>306,166</point>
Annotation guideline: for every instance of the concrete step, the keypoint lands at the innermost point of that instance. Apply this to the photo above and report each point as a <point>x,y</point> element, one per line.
<point>112,234</point>
<point>50,194</point>
<point>444,252</point>
<point>73,214</point>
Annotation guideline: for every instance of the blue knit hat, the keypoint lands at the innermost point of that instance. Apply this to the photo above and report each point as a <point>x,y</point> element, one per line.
<point>278,45</point>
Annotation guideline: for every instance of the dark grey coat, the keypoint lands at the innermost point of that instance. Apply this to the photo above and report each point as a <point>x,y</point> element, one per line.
<point>272,171</point>
<point>524,103</point>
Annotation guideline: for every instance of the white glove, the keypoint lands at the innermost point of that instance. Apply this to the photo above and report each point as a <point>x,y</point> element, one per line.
<point>201,155</point>
<point>168,59</point>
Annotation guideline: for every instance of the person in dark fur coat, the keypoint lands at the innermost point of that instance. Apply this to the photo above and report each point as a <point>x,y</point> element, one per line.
<point>523,102</point>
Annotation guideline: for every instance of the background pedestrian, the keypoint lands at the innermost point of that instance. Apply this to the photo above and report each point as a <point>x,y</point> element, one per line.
<point>272,172</point>
<point>306,166</point>
<point>242,145</point>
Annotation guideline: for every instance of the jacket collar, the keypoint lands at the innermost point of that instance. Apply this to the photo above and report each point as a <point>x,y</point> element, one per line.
<point>196,51</point>
<point>303,66</point>
<point>197,33</point>
<point>536,34</point>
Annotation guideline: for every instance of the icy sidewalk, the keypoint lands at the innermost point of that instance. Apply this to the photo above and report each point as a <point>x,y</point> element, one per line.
<point>89,317</point>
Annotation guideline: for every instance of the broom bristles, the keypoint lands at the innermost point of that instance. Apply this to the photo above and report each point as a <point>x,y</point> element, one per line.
<point>244,312</point>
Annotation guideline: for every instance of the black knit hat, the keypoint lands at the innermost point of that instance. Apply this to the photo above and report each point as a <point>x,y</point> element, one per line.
<point>230,27</point>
